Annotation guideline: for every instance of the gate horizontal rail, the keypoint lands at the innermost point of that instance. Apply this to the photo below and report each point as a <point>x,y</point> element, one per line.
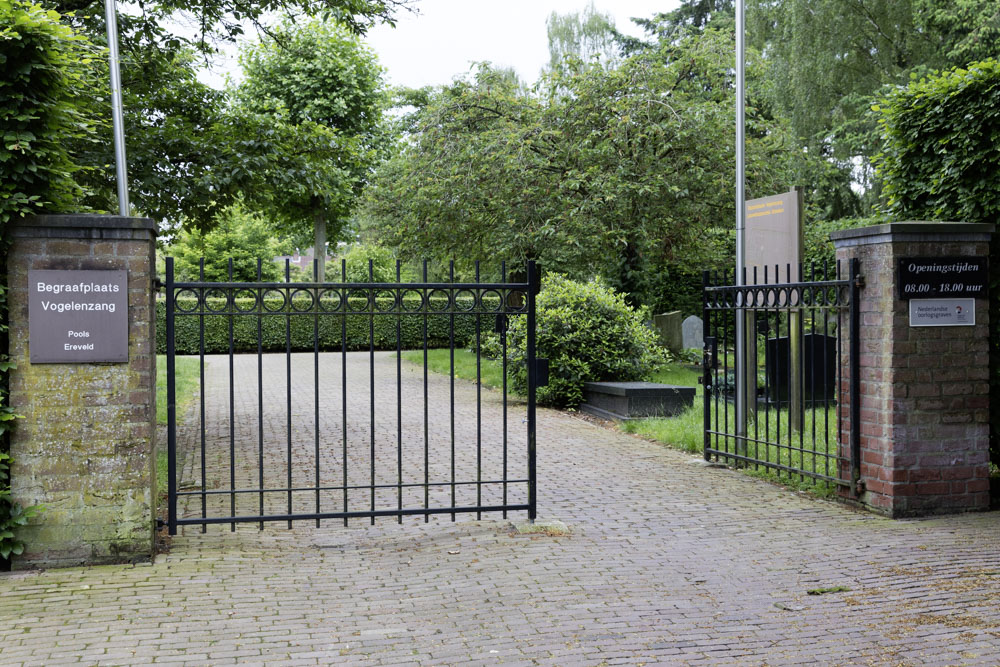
<point>797,424</point>
<point>336,465</point>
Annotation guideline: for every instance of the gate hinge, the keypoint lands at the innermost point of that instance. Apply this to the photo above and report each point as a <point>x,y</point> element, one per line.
<point>859,281</point>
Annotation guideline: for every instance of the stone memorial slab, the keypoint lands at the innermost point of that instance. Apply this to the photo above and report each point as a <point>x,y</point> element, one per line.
<point>635,400</point>
<point>669,327</point>
<point>692,329</point>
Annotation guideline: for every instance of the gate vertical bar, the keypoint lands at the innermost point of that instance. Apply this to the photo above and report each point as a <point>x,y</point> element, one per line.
<point>451,375</point>
<point>232,413</point>
<point>345,307</point>
<point>171,406</point>
<point>533,288</point>
<point>288,379</point>
<point>260,390</point>
<point>478,296</point>
<point>371,380</point>
<point>504,296</point>
<point>201,394</point>
<point>316,306</point>
<point>706,366</point>
<point>855,352</point>
<point>399,394</point>
<point>426,307</point>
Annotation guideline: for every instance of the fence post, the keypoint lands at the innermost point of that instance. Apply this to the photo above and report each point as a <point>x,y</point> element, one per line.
<point>171,402</point>
<point>919,394</point>
<point>86,446</point>
<point>534,286</point>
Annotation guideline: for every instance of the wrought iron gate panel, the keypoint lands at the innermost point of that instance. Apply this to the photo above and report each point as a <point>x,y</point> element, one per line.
<point>235,460</point>
<point>797,424</point>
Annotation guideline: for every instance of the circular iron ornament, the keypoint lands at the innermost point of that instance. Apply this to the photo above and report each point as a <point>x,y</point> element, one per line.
<point>517,301</point>
<point>306,300</point>
<point>412,301</point>
<point>214,294</point>
<point>490,301</point>
<point>273,300</point>
<point>772,297</point>
<point>439,300</point>
<point>359,295</point>
<point>247,295</point>
<point>794,297</point>
<point>385,301</point>
<point>184,296</point>
<point>330,300</point>
<point>465,300</point>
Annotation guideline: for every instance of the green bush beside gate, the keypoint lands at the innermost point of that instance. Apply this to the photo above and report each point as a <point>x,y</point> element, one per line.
<point>300,327</point>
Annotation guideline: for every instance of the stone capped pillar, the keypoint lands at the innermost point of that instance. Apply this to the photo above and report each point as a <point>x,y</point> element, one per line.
<point>84,449</point>
<point>925,401</point>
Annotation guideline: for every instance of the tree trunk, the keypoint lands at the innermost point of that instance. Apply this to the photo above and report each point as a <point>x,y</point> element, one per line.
<point>319,251</point>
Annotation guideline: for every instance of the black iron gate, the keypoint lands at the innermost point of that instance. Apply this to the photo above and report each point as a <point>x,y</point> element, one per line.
<point>251,451</point>
<point>799,410</point>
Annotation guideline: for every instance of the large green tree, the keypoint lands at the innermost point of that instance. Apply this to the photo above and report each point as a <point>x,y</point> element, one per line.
<point>317,80</point>
<point>618,170</point>
<point>182,161</point>
<point>829,59</point>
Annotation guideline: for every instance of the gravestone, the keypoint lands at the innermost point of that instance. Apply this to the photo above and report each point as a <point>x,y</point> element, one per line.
<point>669,327</point>
<point>691,333</point>
<point>819,368</point>
<point>635,400</point>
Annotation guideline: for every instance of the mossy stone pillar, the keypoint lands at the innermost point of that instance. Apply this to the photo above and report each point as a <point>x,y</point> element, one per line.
<point>84,449</point>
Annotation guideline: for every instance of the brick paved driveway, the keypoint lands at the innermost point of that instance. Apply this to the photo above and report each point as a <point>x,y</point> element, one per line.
<point>668,563</point>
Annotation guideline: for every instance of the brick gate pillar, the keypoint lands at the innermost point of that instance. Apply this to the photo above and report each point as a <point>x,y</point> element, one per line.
<point>924,389</point>
<point>84,448</point>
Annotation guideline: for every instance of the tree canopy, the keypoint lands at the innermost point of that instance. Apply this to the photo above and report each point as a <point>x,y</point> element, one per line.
<point>189,155</point>
<point>614,170</point>
<point>317,82</point>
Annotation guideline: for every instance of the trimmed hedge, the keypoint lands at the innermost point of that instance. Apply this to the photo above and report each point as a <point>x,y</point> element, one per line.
<point>273,328</point>
<point>939,161</point>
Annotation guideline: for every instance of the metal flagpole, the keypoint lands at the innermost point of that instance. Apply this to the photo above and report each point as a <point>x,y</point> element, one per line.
<point>741,347</point>
<point>116,107</point>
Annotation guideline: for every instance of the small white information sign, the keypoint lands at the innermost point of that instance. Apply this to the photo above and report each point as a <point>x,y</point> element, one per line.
<point>942,312</point>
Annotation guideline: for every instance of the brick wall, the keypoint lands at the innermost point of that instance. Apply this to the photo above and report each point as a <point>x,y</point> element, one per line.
<point>84,449</point>
<point>924,390</point>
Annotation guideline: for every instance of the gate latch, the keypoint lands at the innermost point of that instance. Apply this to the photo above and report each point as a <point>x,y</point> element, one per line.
<point>541,372</point>
<point>711,352</point>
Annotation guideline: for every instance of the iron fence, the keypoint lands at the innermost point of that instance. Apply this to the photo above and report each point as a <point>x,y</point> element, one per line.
<point>240,468</point>
<point>801,332</point>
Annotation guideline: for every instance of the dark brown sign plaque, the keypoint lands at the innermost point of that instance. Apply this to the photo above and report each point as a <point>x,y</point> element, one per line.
<point>77,316</point>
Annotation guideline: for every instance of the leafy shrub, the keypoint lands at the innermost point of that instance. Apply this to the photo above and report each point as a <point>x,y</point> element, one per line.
<point>383,264</point>
<point>12,515</point>
<point>238,234</point>
<point>588,333</point>
<point>939,162</point>
<point>43,105</point>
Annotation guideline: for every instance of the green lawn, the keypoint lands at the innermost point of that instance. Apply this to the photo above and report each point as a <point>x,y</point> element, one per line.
<point>186,384</point>
<point>186,390</point>
<point>439,361</point>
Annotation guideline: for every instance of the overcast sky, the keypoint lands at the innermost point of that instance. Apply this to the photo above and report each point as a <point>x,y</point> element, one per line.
<point>440,42</point>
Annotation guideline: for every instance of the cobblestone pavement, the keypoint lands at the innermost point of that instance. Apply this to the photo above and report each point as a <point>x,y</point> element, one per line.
<point>666,563</point>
